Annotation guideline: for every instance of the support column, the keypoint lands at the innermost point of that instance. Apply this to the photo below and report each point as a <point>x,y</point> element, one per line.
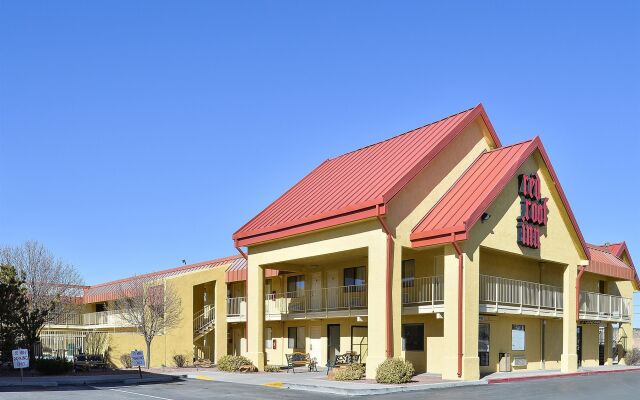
<point>220,341</point>
<point>396,295</point>
<point>470,312</point>
<point>255,313</point>
<point>377,303</point>
<point>569,358</point>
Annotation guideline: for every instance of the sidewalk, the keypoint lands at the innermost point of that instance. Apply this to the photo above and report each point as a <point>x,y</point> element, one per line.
<point>317,382</point>
<point>82,380</point>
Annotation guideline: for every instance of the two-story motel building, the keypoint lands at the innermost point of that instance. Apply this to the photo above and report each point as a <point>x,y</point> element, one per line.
<point>440,246</point>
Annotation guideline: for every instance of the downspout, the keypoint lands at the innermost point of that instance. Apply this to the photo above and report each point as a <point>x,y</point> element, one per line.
<point>246,296</point>
<point>386,229</point>
<point>460,266</point>
<point>581,269</point>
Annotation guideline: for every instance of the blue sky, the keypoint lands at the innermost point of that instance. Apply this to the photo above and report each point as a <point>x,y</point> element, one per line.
<point>137,134</point>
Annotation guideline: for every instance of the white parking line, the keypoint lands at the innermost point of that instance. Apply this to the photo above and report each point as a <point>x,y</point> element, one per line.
<point>138,394</point>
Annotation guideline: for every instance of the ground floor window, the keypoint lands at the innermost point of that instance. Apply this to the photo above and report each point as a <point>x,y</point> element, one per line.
<point>413,337</point>
<point>296,337</point>
<point>517,337</point>
<point>268,338</point>
<point>483,344</point>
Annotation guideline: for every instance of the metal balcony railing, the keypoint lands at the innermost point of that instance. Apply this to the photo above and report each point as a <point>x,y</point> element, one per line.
<point>426,290</point>
<point>338,298</point>
<point>604,306</point>
<point>236,306</point>
<point>512,293</point>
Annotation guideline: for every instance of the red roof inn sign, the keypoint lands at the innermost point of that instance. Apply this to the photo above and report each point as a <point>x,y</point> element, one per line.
<point>533,211</point>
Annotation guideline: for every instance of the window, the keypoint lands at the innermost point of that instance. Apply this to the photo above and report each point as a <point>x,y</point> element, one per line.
<point>413,337</point>
<point>517,337</point>
<point>296,337</point>
<point>408,272</point>
<point>295,283</point>
<point>483,344</point>
<point>268,338</point>
<point>354,276</point>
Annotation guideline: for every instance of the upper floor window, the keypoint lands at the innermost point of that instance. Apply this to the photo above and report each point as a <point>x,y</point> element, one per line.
<point>295,283</point>
<point>355,276</point>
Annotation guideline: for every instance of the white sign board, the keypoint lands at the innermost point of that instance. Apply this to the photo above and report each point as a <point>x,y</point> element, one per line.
<point>137,358</point>
<point>20,358</point>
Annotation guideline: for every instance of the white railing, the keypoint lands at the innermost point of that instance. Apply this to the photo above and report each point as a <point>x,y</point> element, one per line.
<point>339,298</point>
<point>112,318</point>
<point>204,319</point>
<point>426,290</point>
<point>604,306</point>
<point>236,307</point>
<point>519,295</point>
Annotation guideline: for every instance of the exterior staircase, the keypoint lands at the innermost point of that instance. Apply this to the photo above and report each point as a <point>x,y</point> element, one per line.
<point>204,321</point>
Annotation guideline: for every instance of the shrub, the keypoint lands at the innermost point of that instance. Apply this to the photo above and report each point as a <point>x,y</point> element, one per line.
<point>271,368</point>
<point>53,366</point>
<point>394,370</point>
<point>633,357</point>
<point>125,359</point>
<point>180,360</point>
<point>232,363</point>
<point>350,372</point>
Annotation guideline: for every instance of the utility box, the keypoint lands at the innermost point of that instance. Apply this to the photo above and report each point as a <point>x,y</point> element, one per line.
<point>504,364</point>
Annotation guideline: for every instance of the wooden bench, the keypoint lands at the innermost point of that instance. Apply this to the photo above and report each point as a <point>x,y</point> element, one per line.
<point>343,359</point>
<point>300,360</point>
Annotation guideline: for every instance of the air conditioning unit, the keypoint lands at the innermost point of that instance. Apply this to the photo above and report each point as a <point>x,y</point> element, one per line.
<point>519,362</point>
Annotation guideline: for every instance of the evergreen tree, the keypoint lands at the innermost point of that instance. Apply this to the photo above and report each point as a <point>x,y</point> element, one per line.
<point>13,306</point>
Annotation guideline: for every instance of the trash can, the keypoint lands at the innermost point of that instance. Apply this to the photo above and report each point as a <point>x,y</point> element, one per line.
<point>504,364</point>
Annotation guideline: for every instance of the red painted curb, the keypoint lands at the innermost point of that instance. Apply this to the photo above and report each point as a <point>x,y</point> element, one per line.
<point>538,377</point>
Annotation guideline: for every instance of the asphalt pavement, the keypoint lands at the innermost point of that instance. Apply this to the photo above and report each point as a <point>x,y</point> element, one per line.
<point>618,385</point>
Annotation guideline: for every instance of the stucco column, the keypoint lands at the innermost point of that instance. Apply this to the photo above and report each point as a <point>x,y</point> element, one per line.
<point>377,303</point>
<point>470,311</point>
<point>220,343</point>
<point>255,313</point>
<point>569,358</point>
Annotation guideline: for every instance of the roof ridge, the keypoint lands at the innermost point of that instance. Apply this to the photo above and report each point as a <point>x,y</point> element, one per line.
<point>403,133</point>
<point>154,273</point>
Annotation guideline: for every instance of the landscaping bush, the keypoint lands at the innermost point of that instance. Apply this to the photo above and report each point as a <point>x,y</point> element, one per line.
<point>53,366</point>
<point>394,370</point>
<point>232,363</point>
<point>180,360</point>
<point>271,368</point>
<point>633,357</point>
<point>125,359</point>
<point>350,372</point>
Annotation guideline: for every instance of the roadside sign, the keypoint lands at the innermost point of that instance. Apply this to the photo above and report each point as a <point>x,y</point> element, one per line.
<point>20,358</point>
<point>137,358</point>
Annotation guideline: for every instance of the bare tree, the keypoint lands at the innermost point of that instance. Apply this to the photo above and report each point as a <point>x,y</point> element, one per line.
<point>53,286</point>
<point>152,307</point>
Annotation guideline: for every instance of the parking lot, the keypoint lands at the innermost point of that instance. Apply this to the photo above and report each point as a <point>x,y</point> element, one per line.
<point>618,385</point>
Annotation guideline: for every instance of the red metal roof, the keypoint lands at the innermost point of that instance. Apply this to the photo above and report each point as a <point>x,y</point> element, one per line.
<point>461,207</point>
<point>237,271</point>
<point>358,184</point>
<point>606,260</point>
<point>111,290</point>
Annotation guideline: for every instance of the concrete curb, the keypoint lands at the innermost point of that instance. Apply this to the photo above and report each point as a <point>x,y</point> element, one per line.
<point>559,375</point>
<point>94,381</point>
<point>383,390</point>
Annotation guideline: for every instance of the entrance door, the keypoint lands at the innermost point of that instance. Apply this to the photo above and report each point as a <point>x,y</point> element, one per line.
<point>579,345</point>
<point>333,342</point>
<point>316,291</point>
<point>333,291</point>
<point>601,341</point>
<point>315,342</point>
<point>359,342</point>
